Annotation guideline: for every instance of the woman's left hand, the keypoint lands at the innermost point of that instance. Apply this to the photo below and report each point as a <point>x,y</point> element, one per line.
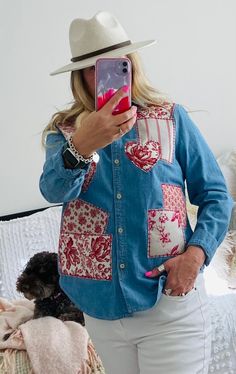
<point>182,271</point>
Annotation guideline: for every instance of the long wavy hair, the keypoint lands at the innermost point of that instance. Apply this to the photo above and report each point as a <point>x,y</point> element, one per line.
<point>143,94</point>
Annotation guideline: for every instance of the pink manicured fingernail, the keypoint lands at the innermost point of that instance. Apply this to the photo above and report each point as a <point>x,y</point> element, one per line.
<point>125,88</point>
<point>148,273</point>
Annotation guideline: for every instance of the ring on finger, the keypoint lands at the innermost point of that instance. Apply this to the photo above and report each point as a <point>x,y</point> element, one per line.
<point>161,268</point>
<point>168,291</point>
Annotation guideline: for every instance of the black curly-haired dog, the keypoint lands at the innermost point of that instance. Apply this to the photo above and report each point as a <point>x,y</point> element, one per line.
<point>40,281</point>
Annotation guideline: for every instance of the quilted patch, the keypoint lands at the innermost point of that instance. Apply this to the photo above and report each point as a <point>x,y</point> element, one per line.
<point>165,234</point>
<point>143,156</point>
<point>161,131</point>
<point>174,199</point>
<point>85,218</point>
<point>164,111</point>
<point>155,126</point>
<point>86,256</point>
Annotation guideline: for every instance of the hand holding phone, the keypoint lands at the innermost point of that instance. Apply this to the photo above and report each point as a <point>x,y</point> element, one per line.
<point>112,74</point>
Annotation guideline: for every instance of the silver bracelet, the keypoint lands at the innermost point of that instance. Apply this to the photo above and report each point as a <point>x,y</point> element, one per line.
<point>78,156</point>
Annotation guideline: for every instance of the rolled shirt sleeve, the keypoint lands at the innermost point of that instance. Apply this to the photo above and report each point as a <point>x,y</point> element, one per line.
<point>205,185</point>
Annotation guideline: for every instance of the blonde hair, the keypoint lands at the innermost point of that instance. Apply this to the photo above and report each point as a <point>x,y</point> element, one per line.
<point>143,94</point>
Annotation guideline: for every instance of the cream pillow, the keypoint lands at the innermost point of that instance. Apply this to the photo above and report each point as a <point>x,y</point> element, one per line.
<point>20,239</point>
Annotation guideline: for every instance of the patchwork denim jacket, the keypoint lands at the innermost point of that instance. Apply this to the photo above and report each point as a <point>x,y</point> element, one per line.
<point>127,214</point>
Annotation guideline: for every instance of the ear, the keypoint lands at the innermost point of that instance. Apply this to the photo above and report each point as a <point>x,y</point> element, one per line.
<point>19,281</point>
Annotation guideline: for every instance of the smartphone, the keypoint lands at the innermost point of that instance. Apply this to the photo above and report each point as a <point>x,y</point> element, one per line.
<point>110,75</point>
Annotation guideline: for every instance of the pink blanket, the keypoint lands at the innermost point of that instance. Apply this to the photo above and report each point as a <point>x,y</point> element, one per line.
<point>12,315</point>
<point>53,346</point>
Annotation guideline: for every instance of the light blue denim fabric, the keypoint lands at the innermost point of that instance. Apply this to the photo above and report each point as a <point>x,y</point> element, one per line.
<point>130,290</point>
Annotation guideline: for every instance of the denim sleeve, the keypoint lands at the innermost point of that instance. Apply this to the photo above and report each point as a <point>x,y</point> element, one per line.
<point>205,184</point>
<point>58,184</point>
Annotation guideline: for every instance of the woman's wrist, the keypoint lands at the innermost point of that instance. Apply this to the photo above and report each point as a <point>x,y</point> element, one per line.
<point>197,254</point>
<point>81,148</point>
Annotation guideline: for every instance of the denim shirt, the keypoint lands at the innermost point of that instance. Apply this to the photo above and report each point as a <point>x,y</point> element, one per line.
<point>127,214</point>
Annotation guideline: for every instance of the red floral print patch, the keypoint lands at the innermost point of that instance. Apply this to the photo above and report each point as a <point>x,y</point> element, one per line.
<point>155,126</point>
<point>164,111</point>
<point>86,256</point>
<point>89,176</point>
<point>174,199</point>
<point>165,234</point>
<point>143,156</point>
<point>85,218</point>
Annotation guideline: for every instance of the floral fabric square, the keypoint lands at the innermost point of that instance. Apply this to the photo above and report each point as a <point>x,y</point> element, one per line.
<point>86,256</point>
<point>83,217</point>
<point>143,156</point>
<point>174,199</point>
<point>84,249</point>
<point>165,234</point>
<point>166,225</point>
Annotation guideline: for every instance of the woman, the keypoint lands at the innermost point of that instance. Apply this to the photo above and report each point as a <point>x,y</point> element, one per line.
<point>127,255</point>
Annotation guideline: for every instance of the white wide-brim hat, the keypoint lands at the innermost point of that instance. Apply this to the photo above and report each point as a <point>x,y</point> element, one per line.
<point>100,36</point>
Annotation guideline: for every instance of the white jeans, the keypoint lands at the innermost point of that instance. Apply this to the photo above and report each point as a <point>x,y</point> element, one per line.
<point>173,337</point>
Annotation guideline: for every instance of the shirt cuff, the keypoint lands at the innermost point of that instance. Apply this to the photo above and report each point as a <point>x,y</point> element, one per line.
<point>59,166</point>
<point>206,241</point>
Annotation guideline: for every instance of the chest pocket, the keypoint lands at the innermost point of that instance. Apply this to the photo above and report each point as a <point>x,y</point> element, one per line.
<point>155,142</point>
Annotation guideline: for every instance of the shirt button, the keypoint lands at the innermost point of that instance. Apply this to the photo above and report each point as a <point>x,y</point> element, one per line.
<point>122,266</point>
<point>120,230</point>
<point>118,196</point>
<point>116,161</point>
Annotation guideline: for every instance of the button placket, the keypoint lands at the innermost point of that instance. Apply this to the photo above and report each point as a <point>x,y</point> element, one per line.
<point>119,201</point>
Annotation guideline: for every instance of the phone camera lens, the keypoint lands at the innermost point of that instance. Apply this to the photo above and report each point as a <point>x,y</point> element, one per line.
<point>125,63</point>
<point>124,70</point>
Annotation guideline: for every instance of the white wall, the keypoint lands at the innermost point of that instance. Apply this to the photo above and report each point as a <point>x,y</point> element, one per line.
<point>194,62</point>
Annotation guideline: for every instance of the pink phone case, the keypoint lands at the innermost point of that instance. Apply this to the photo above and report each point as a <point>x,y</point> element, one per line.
<point>111,74</point>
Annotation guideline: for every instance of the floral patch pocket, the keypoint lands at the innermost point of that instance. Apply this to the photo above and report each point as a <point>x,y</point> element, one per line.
<point>84,249</point>
<point>86,256</point>
<point>166,226</point>
<point>165,235</point>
